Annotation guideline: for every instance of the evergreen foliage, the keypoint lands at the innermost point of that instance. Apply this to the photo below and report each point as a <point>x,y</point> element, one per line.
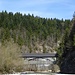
<point>22,27</point>
<point>27,29</point>
<point>67,62</point>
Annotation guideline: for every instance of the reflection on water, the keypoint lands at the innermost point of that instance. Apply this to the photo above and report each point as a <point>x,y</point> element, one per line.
<point>29,74</point>
<point>39,74</point>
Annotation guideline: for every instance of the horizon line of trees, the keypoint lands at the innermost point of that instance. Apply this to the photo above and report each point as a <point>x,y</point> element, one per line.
<point>24,28</point>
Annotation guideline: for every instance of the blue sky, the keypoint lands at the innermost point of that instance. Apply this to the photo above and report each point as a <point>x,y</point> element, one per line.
<point>43,8</point>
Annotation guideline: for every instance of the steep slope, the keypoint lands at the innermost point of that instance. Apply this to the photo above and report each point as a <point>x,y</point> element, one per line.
<point>32,33</point>
<point>68,56</point>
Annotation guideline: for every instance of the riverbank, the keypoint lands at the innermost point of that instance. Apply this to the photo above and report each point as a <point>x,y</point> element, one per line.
<point>35,74</point>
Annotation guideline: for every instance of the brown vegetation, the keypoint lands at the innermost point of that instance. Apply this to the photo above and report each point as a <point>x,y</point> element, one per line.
<point>9,58</point>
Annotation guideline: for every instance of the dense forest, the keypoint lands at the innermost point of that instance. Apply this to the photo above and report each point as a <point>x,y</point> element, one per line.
<point>29,33</point>
<point>28,29</point>
<point>67,57</point>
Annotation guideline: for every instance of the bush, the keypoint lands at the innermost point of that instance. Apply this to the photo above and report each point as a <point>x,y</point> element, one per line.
<point>9,58</point>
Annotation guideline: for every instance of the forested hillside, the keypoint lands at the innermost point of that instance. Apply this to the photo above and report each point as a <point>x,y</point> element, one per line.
<point>67,59</point>
<point>26,34</point>
<point>32,33</point>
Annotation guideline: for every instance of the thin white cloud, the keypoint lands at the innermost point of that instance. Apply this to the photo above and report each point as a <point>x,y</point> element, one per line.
<point>37,2</point>
<point>42,8</point>
<point>40,14</point>
<point>0,3</point>
<point>25,3</point>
